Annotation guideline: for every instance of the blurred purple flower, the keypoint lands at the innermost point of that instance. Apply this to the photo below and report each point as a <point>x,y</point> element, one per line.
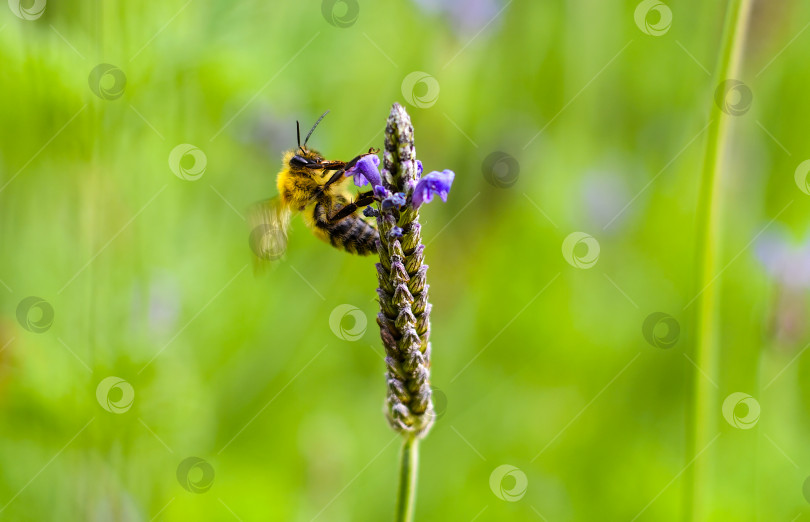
<point>156,306</point>
<point>433,183</point>
<point>465,16</point>
<point>264,130</point>
<point>788,265</point>
<point>785,262</point>
<point>164,304</point>
<point>605,195</point>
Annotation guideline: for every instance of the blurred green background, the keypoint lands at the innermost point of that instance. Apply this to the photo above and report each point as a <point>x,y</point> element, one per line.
<point>597,127</point>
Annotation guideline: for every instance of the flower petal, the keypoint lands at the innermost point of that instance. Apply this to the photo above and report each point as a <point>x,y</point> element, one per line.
<point>433,183</point>
<point>365,171</point>
<point>381,192</point>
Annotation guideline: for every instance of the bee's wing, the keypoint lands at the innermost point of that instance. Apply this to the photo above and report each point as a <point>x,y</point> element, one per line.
<point>268,221</point>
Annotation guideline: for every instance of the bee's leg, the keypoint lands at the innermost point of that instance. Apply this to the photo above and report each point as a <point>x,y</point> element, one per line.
<point>364,199</point>
<point>326,165</point>
<point>335,178</point>
<point>346,166</point>
<point>339,165</point>
<point>340,168</point>
<point>358,158</point>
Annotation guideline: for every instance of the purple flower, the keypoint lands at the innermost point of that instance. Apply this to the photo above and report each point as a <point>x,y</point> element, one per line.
<point>433,183</point>
<point>418,168</point>
<point>381,192</point>
<point>365,171</point>
<point>397,200</point>
<point>395,232</point>
<point>370,212</point>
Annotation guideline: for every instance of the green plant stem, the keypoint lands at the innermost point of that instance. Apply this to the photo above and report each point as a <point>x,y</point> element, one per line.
<point>705,408</point>
<point>408,465</point>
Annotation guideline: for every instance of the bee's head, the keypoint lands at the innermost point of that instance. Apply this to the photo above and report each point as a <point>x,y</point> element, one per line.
<point>301,157</point>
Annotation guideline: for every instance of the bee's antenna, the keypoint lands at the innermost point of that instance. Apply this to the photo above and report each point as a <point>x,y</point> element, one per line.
<point>313,128</point>
<point>298,131</point>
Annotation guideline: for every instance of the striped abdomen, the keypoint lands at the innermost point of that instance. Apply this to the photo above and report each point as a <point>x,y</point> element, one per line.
<point>352,233</point>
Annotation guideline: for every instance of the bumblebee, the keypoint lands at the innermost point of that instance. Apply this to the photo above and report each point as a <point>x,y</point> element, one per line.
<point>305,185</point>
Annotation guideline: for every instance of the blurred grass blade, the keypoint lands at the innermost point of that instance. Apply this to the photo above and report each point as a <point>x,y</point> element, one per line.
<point>703,415</point>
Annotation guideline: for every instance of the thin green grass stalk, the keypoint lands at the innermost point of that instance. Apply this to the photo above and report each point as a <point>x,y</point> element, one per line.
<point>704,414</point>
<point>409,463</point>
